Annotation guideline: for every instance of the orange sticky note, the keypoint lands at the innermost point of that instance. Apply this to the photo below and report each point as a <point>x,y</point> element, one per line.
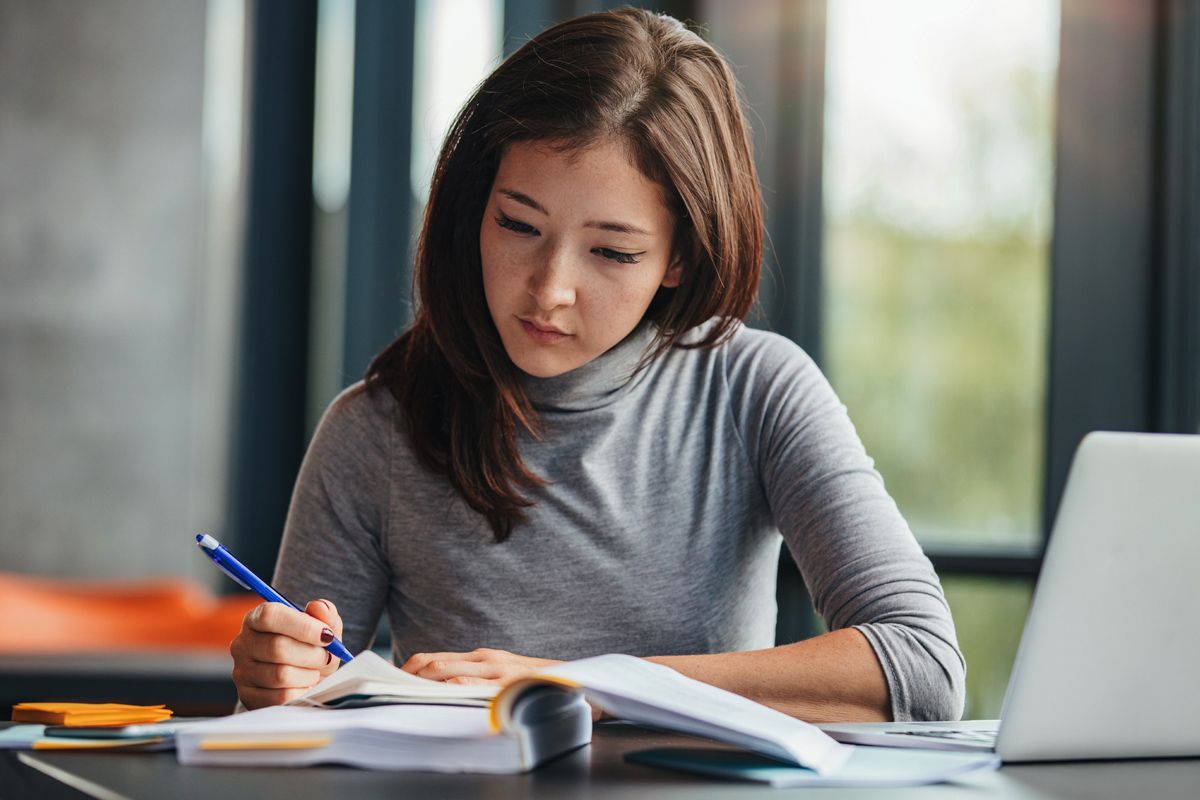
<point>78,715</point>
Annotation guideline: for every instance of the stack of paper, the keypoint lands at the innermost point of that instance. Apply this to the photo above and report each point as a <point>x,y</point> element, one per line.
<point>406,736</point>
<point>79,715</point>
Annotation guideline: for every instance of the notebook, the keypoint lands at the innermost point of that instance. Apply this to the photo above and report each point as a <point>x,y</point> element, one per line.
<point>1107,662</point>
<point>867,766</point>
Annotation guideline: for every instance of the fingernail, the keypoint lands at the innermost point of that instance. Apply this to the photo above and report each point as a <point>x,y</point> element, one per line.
<point>326,636</point>
<point>328,657</point>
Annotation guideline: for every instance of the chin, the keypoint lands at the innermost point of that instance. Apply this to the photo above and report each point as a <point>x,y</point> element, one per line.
<point>541,364</point>
<point>542,368</point>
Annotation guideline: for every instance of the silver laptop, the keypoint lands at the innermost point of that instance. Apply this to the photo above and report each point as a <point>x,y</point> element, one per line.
<point>1109,662</point>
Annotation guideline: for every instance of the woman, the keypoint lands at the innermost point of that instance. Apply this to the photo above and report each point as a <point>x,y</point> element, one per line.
<point>577,447</point>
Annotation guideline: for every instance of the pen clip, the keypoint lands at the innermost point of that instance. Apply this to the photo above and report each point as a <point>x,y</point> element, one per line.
<point>216,560</point>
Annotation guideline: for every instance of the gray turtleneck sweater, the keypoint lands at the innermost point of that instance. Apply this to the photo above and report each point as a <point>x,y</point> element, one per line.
<point>659,533</point>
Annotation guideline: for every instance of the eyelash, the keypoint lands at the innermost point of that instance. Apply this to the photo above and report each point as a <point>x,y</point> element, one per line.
<point>604,252</point>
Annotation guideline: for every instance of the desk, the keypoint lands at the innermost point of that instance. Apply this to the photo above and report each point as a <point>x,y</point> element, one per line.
<point>593,772</point>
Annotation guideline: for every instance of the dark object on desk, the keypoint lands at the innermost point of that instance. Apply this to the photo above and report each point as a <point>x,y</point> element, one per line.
<point>134,731</point>
<point>867,767</point>
<point>192,685</point>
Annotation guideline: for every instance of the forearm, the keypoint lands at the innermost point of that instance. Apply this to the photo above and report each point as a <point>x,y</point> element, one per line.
<point>835,677</point>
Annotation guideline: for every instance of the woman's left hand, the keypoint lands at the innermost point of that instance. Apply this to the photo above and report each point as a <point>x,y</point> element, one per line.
<point>482,665</point>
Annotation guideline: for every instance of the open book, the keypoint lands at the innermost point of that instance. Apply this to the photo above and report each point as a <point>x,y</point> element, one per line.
<point>527,722</point>
<point>370,680</point>
<point>650,694</point>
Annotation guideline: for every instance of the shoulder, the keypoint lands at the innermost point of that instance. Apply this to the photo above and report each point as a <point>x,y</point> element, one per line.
<point>772,387</point>
<point>359,421</point>
<point>360,407</point>
<point>750,357</point>
<point>755,349</point>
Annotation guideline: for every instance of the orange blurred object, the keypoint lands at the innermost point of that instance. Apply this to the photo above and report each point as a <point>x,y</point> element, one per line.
<point>52,615</point>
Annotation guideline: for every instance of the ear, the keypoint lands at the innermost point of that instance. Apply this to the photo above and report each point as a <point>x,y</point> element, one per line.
<point>674,274</point>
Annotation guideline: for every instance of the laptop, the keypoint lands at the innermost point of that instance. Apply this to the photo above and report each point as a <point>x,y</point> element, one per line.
<point>1109,661</point>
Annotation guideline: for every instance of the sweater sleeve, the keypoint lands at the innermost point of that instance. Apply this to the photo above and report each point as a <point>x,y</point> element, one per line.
<point>861,563</point>
<point>333,542</point>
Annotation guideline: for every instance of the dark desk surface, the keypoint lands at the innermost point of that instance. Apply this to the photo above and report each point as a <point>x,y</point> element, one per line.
<point>597,771</point>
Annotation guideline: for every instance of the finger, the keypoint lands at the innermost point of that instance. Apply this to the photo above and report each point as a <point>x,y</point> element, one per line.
<point>280,619</point>
<point>419,661</point>
<point>428,664</point>
<point>278,649</point>
<point>463,679</point>
<point>260,675</point>
<point>252,697</point>
<point>325,611</point>
<point>443,669</point>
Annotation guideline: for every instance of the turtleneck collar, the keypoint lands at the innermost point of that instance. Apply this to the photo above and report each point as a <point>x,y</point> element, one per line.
<point>603,380</point>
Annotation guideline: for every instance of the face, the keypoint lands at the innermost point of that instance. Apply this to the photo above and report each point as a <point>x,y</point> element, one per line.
<point>574,247</point>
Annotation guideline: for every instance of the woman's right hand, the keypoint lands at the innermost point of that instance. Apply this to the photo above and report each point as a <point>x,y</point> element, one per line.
<point>279,653</point>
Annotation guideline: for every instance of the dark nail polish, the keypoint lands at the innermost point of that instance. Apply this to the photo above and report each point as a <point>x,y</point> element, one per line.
<point>328,657</point>
<point>326,636</point>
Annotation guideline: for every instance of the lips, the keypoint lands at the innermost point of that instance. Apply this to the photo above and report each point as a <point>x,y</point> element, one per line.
<point>541,333</point>
<point>543,327</point>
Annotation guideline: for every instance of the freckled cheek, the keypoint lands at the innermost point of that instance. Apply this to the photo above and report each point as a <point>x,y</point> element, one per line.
<point>613,307</point>
<point>502,275</point>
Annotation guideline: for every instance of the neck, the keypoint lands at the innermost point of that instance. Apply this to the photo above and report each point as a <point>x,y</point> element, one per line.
<point>597,383</point>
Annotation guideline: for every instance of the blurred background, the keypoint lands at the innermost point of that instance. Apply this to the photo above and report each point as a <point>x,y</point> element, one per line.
<point>981,217</point>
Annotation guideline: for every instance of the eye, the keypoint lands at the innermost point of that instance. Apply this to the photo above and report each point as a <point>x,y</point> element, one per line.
<point>514,226</point>
<point>617,255</point>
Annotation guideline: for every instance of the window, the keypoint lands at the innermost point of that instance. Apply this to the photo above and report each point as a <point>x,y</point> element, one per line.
<point>938,179</point>
<point>907,158</point>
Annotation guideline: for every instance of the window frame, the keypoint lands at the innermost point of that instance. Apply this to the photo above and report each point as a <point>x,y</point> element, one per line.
<point>269,405</point>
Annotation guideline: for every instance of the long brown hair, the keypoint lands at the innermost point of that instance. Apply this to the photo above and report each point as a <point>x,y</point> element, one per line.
<point>628,74</point>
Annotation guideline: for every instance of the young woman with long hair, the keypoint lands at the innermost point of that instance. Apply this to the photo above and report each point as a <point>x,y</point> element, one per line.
<point>577,447</point>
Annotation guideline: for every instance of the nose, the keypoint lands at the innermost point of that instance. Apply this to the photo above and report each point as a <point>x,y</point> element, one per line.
<point>552,283</point>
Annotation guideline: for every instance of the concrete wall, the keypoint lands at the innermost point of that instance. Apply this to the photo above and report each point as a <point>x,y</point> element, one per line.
<point>104,467</point>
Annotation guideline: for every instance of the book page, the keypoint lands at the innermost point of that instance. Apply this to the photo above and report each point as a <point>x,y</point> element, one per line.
<point>371,674</point>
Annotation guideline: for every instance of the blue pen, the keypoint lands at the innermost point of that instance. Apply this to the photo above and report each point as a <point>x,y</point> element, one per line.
<point>248,580</point>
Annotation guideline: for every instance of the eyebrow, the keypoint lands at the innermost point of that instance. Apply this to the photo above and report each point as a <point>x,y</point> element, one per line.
<point>614,227</point>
